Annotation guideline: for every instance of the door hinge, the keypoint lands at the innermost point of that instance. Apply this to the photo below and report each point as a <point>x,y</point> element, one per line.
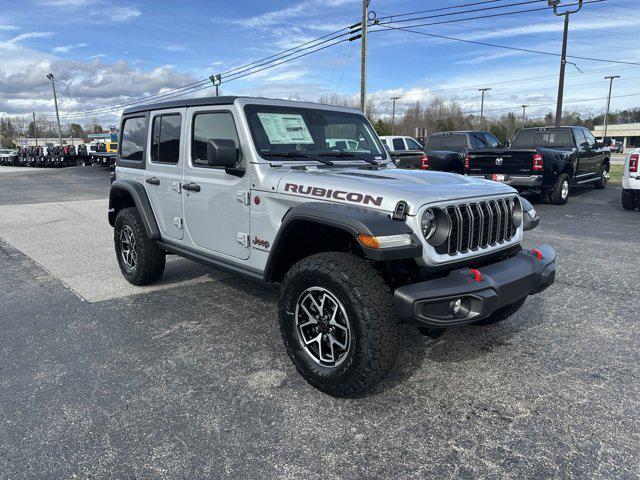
<point>177,187</point>
<point>243,239</point>
<point>242,197</point>
<point>177,221</point>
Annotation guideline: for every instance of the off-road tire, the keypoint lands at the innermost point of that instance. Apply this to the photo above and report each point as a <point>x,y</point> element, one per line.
<point>368,302</point>
<point>602,181</point>
<point>556,194</point>
<point>502,313</point>
<point>150,259</point>
<point>629,201</point>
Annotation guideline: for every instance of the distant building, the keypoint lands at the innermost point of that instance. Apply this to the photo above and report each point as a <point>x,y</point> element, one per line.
<point>627,133</point>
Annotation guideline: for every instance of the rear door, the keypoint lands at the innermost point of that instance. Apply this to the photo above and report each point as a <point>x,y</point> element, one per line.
<point>163,174</point>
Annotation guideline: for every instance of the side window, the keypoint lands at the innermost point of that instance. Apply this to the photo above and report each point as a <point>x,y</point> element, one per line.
<point>591,140</point>
<point>212,126</point>
<point>398,144</point>
<point>477,141</point>
<point>492,141</point>
<point>133,138</point>
<point>413,145</point>
<point>165,138</point>
<point>581,141</point>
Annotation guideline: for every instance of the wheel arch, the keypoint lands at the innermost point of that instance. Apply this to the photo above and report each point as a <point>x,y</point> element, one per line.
<point>127,193</point>
<point>315,227</point>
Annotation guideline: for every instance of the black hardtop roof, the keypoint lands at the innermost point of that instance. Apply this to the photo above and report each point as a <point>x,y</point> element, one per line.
<point>187,102</point>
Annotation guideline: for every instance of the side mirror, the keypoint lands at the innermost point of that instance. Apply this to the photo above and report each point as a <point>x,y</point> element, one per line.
<point>222,153</point>
<point>530,219</point>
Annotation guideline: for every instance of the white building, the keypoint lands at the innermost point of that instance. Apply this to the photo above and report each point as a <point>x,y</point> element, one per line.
<point>627,133</point>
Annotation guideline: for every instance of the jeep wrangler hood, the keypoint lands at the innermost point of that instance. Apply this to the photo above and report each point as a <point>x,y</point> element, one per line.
<point>383,189</point>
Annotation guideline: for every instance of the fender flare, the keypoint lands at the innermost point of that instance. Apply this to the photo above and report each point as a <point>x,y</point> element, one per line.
<point>350,219</point>
<point>140,199</point>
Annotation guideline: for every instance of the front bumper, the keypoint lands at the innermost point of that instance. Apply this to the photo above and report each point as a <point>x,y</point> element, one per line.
<point>531,181</point>
<point>431,303</point>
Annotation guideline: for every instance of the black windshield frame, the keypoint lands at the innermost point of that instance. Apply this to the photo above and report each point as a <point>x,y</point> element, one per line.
<point>316,120</point>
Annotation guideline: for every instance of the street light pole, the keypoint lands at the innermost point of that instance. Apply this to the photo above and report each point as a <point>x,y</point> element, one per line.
<point>55,101</point>
<point>524,113</point>
<point>393,115</point>
<point>606,115</point>
<point>482,105</point>
<point>563,59</point>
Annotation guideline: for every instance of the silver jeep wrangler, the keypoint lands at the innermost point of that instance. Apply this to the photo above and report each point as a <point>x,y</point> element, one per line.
<point>306,195</point>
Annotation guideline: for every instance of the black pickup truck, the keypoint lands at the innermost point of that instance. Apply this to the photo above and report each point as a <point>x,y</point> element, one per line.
<point>548,159</point>
<point>447,151</point>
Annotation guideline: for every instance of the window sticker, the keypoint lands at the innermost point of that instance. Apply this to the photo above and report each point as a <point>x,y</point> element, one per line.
<point>283,128</point>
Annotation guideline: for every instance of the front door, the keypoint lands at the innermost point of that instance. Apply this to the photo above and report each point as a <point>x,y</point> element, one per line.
<point>216,203</point>
<point>584,162</point>
<point>163,174</point>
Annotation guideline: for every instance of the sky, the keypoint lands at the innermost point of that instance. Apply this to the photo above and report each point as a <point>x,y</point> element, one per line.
<point>104,53</point>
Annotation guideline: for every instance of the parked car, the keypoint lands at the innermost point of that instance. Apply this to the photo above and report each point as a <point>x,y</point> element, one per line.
<point>406,152</point>
<point>447,151</point>
<point>358,245</point>
<point>548,159</point>
<point>631,181</point>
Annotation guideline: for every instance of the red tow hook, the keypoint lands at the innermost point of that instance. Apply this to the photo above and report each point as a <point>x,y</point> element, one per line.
<point>477,276</point>
<point>537,253</point>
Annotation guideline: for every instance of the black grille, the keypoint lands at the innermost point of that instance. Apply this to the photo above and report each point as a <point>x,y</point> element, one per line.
<point>479,225</point>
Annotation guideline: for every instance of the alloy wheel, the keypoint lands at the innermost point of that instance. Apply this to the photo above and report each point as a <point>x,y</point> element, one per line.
<point>323,327</point>
<point>128,247</point>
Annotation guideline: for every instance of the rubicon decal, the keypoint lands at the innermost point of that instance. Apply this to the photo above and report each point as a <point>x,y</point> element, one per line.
<point>342,195</point>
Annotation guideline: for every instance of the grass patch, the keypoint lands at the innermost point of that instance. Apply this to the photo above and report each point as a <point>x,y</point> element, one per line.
<point>615,173</point>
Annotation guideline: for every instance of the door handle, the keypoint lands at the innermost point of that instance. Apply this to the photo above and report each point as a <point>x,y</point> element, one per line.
<point>153,181</point>
<point>191,187</point>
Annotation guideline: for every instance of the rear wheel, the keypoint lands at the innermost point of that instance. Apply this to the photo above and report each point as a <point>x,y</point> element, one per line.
<point>502,313</point>
<point>141,260</point>
<point>629,201</point>
<point>560,193</point>
<point>337,323</point>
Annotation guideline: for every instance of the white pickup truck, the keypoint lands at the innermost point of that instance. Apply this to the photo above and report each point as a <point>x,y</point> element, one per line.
<point>631,181</point>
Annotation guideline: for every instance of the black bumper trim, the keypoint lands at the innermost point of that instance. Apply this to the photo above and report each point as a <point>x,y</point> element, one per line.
<point>502,283</point>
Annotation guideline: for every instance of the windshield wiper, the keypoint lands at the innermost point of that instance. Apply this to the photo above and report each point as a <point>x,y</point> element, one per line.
<point>296,154</point>
<point>342,153</point>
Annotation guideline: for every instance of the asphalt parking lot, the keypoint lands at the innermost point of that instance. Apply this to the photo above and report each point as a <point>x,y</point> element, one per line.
<point>189,378</point>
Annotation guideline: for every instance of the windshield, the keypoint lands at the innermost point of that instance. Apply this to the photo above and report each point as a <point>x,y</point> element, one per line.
<point>283,130</point>
<point>544,138</point>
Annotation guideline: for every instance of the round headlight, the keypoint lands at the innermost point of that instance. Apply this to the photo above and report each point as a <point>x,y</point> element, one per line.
<point>428,224</point>
<point>516,209</point>
<point>435,225</point>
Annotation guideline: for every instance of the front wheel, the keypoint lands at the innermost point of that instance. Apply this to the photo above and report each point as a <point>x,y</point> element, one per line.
<point>337,323</point>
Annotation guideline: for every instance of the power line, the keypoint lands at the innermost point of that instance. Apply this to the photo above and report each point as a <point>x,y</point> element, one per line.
<point>486,44</point>
<point>233,71</point>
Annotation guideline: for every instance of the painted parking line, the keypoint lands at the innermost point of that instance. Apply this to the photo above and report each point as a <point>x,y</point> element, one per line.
<point>74,242</point>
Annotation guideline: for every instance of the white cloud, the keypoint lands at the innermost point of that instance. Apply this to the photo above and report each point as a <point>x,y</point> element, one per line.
<point>66,3</point>
<point>8,27</point>
<point>67,48</point>
<point>120,14</point>
<point>26,36</point>
<point>97,55</point>
<point>275,17</point>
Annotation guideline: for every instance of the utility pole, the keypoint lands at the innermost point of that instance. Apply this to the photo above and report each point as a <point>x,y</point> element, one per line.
<point>482,105</point>
<point>524,113</point>
<point>363,58</point>
<point>563,60</point>
<point>55,101</point>
<point>35,128</point>
<point>393,115</point>
<point>606,115</point>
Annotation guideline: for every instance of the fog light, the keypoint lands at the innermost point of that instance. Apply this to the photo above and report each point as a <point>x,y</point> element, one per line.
<point>455,306</point>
